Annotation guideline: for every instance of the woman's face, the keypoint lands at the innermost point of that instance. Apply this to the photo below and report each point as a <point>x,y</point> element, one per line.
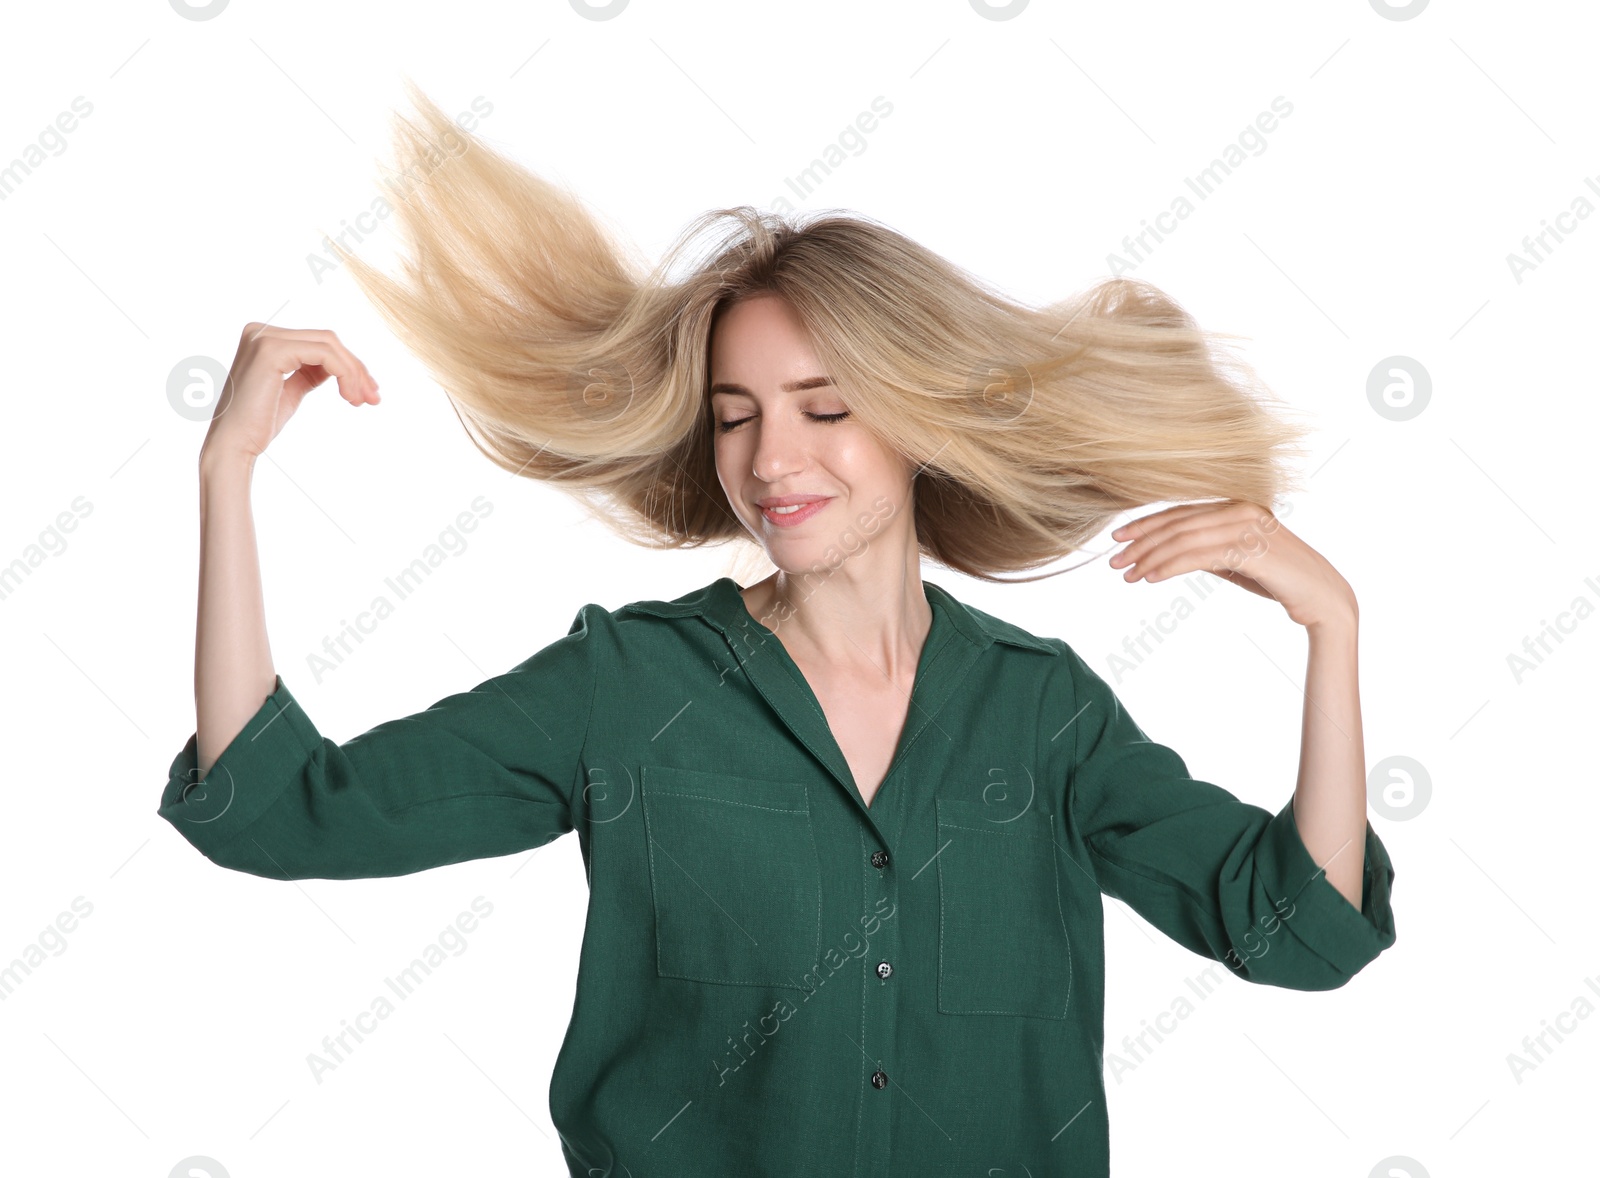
<point>783,434</point>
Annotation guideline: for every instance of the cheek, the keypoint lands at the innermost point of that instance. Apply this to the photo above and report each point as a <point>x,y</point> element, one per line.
<point>731,456</point>
<point>723,446</point>
<point>865,463</point>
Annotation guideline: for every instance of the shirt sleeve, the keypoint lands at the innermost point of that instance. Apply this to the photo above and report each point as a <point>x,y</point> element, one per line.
<point>1222,877</point>
<point>481,773</point>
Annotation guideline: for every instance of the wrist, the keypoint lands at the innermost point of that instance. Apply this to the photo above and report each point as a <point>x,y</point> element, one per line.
<point>1342,625</point>
<point>219,465</point>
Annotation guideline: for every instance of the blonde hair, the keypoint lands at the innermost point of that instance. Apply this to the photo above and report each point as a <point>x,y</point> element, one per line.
<point>571,360</point>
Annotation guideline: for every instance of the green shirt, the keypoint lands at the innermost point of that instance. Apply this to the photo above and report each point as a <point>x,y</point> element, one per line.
<point>775,978</point>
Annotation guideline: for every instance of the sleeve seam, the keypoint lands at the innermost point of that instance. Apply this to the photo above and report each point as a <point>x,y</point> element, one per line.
<point>1077,748</point>
<point>1096,860</point>
<point>1038,758</point>
<point>1077,734</point>
<point>588,720</point>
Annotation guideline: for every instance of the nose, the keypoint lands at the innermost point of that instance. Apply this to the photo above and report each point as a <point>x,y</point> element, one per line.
<point>780,449</point>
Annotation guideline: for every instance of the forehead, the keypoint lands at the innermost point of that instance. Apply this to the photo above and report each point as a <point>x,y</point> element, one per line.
<point>761,337</point>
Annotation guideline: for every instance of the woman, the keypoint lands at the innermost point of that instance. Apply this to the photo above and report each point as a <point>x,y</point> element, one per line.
<point>846,837</point>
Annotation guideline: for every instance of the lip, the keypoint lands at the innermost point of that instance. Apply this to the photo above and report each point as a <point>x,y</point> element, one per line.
<point>786,500</point>
<point>810,506</point>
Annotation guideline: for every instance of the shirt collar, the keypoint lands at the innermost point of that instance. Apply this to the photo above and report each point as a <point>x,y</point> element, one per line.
<point>768,667</point>
<point>721,604</point>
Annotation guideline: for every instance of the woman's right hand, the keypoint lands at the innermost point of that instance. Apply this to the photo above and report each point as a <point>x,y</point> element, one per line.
<point>257,399</point>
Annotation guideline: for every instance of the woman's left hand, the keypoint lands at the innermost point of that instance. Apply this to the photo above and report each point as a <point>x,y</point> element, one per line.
<point>1239,542</point>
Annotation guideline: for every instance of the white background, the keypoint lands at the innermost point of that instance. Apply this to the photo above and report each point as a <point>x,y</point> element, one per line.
<point>1376,222</point>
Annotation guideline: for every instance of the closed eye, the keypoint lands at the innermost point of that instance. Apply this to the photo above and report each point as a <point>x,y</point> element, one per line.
<point>829,418</point>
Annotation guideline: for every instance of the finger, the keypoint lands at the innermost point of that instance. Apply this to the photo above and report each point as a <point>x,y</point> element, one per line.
<point>323,354</point>
<point>362,385</point>
<point>309,376</point>
<point>356,384</point>
<point>305,378</point>
<point>1158,529</point>
<point>1234,515</point>
<point>1146,524</point>
<point>1209,548</point>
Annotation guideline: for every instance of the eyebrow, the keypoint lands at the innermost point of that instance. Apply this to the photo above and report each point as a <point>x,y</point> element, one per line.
<point>794,386</point>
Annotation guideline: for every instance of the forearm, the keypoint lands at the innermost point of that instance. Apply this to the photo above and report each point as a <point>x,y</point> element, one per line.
<point>233,670</point>
<point>1330,797</point>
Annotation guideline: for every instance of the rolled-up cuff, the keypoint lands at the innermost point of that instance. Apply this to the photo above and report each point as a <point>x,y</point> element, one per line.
<point>1321,918</point>
<point>253,771</point>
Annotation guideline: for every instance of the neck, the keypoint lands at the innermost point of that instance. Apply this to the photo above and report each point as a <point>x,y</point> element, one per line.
<point>857,616</point>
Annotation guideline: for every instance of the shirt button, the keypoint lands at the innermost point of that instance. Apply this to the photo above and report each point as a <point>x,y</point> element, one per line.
<point>884,969</point>
<point>880,859</point>
<point>879,1079</point>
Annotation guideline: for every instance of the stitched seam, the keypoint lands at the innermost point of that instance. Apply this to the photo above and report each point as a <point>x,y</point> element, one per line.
<point>1077,759</point>
<point>694,977</point>
<point>816,857</point>
<point>941,936</point>
<point>588,720</point>
<point>1055,874</point>
<point>1010,834</point>
<point>1019,1013</point>
<point>1055,862</point>
<point>660,795</point>
<point>861,836</point>
<point>655,907</point>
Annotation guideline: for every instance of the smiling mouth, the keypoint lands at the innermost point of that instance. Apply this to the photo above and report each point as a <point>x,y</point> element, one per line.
<point>793,514</point>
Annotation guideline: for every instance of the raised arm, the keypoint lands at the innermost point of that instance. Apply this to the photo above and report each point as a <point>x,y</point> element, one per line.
<point>1221,876</point>
<point>233,670</point>
<point>259,789</point>
<point>1249,546</point>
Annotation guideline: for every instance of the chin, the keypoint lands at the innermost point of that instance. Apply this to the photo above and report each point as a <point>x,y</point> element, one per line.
<point>795,558</point>
<point>803,559</point>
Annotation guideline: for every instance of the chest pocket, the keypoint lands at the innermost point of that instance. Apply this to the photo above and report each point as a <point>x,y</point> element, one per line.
<point>1003,946</point>
<point>734,877</point>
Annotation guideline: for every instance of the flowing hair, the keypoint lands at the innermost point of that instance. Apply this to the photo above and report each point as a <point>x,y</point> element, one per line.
<point>570,359</point>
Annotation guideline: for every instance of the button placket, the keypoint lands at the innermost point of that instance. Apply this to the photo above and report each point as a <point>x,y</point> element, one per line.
<point>882,1002</point>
